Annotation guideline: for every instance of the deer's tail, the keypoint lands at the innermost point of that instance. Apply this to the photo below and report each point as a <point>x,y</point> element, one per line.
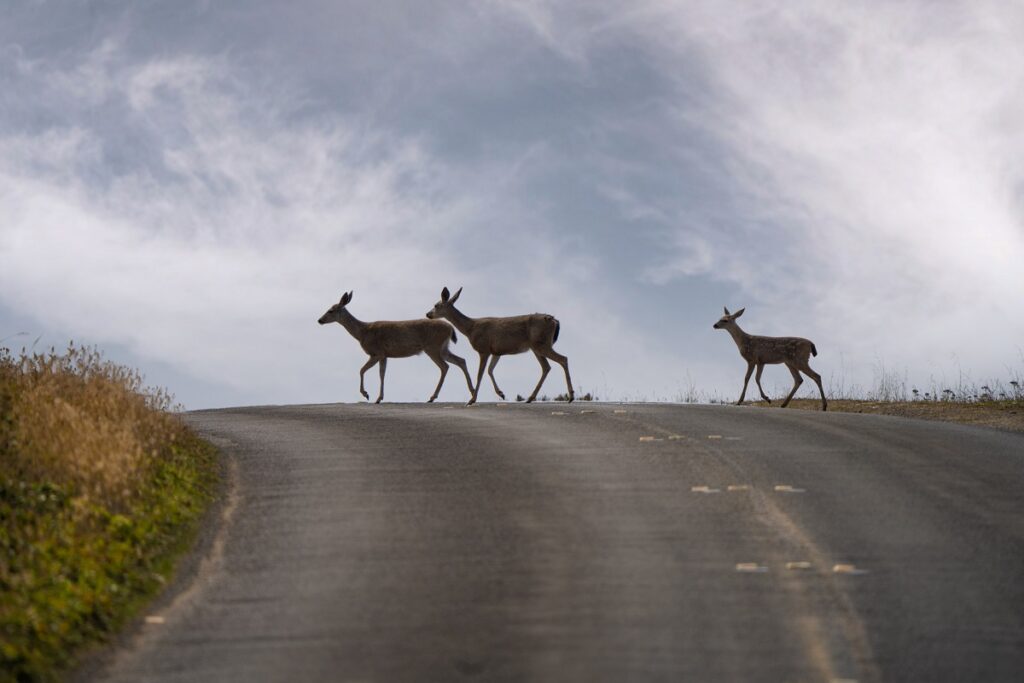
<point>814,351</point>
<point>455,338</point>
<point>558,326</point>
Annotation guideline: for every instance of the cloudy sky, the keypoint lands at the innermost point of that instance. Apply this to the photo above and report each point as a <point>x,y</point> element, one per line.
<point>190,184</point>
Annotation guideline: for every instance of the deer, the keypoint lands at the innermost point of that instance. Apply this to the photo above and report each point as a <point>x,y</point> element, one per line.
<point>794,352</point>
<point>493,338</point>
<point>385,339</point>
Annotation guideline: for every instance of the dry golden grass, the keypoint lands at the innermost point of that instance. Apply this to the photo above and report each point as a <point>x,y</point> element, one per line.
<point>1005,414</point>
<point>79,421</point>
<point>101,487</point>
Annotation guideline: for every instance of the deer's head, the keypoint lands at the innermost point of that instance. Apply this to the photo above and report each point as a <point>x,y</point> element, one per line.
<point>333,314</point>
<point>728,319</point>
<point>443,308</point>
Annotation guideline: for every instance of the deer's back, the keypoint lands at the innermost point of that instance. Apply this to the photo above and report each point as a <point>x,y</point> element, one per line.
<point>777,349</point>
<point>401,338</point>
<point>514,334</point>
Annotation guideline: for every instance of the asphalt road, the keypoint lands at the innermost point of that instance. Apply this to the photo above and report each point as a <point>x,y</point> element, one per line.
<point>599,543</point>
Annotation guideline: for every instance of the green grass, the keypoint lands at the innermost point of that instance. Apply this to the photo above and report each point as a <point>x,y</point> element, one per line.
<point>83,545</point>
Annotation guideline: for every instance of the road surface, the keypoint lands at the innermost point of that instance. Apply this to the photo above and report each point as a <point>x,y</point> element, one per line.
<point>598,542</point>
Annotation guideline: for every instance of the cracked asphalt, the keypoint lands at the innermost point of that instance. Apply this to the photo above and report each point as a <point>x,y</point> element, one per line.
<point>598,542</point>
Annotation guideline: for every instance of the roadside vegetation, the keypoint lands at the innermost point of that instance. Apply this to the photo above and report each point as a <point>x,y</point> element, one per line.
<point>1002,414</point>
<point>580,396</point>
<point>995,403</point>
<point>101,487</point>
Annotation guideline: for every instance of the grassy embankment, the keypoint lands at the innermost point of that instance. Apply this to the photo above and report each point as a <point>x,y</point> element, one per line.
<point>993,404</point>
<point>1000,413</point>
<point>101,488</point>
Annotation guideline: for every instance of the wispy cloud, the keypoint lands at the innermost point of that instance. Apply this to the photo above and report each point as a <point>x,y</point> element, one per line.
<point>211,245</point>
<point>879,160</point>
<point>848,175</point>
<point>867,162</point>
<point>214,236</point>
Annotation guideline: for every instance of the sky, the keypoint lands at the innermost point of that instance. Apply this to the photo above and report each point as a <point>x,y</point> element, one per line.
<point>189,185</point>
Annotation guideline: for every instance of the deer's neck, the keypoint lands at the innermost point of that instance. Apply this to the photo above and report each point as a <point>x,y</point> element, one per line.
<point>741,338</point>
<point>354,326</point>
<point>462,322</point>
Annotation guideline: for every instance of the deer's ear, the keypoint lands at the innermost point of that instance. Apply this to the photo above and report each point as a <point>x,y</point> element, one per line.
<point>738,313</point>
<point>445,294</point>
<point>345,298</point>
<point>454,298</point>
<point>726,310</point>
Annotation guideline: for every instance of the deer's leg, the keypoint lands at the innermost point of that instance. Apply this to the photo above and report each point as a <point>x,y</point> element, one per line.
<point>817,380</point>
<point>439,362</point>
<point>797,381</point>
<point>757,378</point>
<point>479,377</point>
<point>545,368</point>
<point>383,367</point>
<point>564,362</point>
<point>369,364</point>
<point>490,372</point>
<point>746,380</point>
<point>460,362</point>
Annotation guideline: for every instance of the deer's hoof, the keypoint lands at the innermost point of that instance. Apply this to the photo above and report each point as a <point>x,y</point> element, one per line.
<point>571,397</point>
<point>501,396</point>
<point>379,400</point>
<point>431,399</point>
<point>530,400</point>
